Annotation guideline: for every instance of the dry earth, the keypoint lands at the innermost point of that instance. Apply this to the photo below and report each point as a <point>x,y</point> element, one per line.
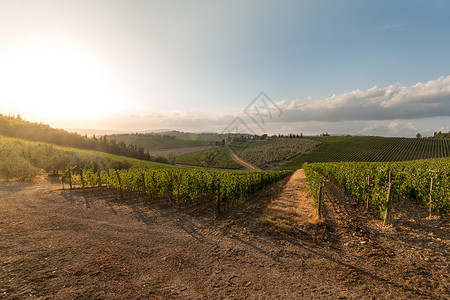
<point>74,244</point>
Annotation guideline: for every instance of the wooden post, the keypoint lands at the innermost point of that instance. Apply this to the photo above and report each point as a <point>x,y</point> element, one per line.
<point>218,196</point>
<point>82,179</point>
<point>388,202</point>
<point>178,188</point>
<point>99,179</point>
<point>144,190</point>
<point>319,201</point>
<point>431,198</point>
<point>70,178</point>
<point>120,185</point>
<point>368,192</point>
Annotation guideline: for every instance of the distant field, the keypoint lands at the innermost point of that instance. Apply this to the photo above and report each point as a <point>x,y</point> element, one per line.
<point>216,157</point>
<point>372,149</point>
<point>265,154</point>
<point>155,141</point>
<point>176,151</point>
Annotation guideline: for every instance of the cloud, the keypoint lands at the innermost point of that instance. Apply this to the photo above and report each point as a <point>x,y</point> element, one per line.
<point>394,126</point>
<point>390,111</point>
<point>422,100</point>
<point>393,27</point>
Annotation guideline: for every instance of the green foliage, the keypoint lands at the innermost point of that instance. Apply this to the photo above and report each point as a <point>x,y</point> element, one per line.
<point>442,135</point>
<point>171,157</point>
<point>409,179</point>
<point>12,163</point>
<point>372,149</point>
<point>264,153</point>
<point>155,141</point>
<point>20,159</point>
<point>18,128</point>
<point>313,178</point>
<point>187,184</point>
<point>216,157</point>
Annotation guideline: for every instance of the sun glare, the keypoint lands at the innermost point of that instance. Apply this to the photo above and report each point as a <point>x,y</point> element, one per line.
<point>57,82</point>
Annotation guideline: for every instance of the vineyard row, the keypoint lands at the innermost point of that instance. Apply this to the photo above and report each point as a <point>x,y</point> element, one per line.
<point>184,185</point>
<point>424,181</point>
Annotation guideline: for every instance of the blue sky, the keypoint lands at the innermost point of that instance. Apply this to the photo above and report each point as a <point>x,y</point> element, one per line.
<point>357,67</point>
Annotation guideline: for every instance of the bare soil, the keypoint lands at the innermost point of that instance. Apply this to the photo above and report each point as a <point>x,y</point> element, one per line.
<point>75,244</point>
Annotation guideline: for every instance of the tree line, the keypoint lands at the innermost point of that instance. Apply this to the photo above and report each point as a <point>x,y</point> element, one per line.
<point>15,126</point>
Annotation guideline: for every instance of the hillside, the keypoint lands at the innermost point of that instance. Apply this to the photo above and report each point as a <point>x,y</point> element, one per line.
<point>149,141</point>
<point>23,160</point>
<point>17,127</point>
<point>372,149</point>
<point>266,154</point>
<point>214,157</point>
<point>194,136</point>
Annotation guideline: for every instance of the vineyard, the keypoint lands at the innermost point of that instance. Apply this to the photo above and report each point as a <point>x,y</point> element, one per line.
<point>213,157</point>
<point>372,149</point>
<point>181,185</point>
<point>419,180</point>
<point>265,153</point>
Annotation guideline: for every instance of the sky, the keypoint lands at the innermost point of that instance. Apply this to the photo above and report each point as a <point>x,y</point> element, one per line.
<point>355,67</point>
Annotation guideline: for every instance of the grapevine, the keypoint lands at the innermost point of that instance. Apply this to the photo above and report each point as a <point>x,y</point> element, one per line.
<point>410,180</point>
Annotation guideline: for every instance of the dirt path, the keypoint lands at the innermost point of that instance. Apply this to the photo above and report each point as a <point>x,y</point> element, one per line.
<point>294,206</point>
<point>89,245</point>
<point>240,161</point>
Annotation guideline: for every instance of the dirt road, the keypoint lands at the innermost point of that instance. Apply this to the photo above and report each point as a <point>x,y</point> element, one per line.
<point>240,161</point>
<point>89,245</point>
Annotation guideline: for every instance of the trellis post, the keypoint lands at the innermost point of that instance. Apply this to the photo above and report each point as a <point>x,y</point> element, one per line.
<point>388,202</point>
<point>431,198</point>
<point>320,200</point>
<point>70,177</point>
<point>99,179</point>
<point>144,189</point>
<point>120,185</point>
<point>368,192</point>
<point>218,196</point>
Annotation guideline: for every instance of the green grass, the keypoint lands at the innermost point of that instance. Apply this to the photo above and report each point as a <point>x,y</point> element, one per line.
<point>216,157</point>
<point>372,149</point>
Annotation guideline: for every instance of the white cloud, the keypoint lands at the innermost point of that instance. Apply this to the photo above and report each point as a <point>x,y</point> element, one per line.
<point>413,126</point>
<point>390,111</point>
<point>393,27</point>
<point>394,126</point>
<point>422,100</point>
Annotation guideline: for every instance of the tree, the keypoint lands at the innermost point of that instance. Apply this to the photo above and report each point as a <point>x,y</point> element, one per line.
<point>171,157</point>
<point>418,135</point>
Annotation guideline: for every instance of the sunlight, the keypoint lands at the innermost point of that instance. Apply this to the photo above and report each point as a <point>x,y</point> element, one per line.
<point>54,81</point>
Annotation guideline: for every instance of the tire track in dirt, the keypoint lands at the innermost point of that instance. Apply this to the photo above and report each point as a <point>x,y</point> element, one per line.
<point>240,161</point>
